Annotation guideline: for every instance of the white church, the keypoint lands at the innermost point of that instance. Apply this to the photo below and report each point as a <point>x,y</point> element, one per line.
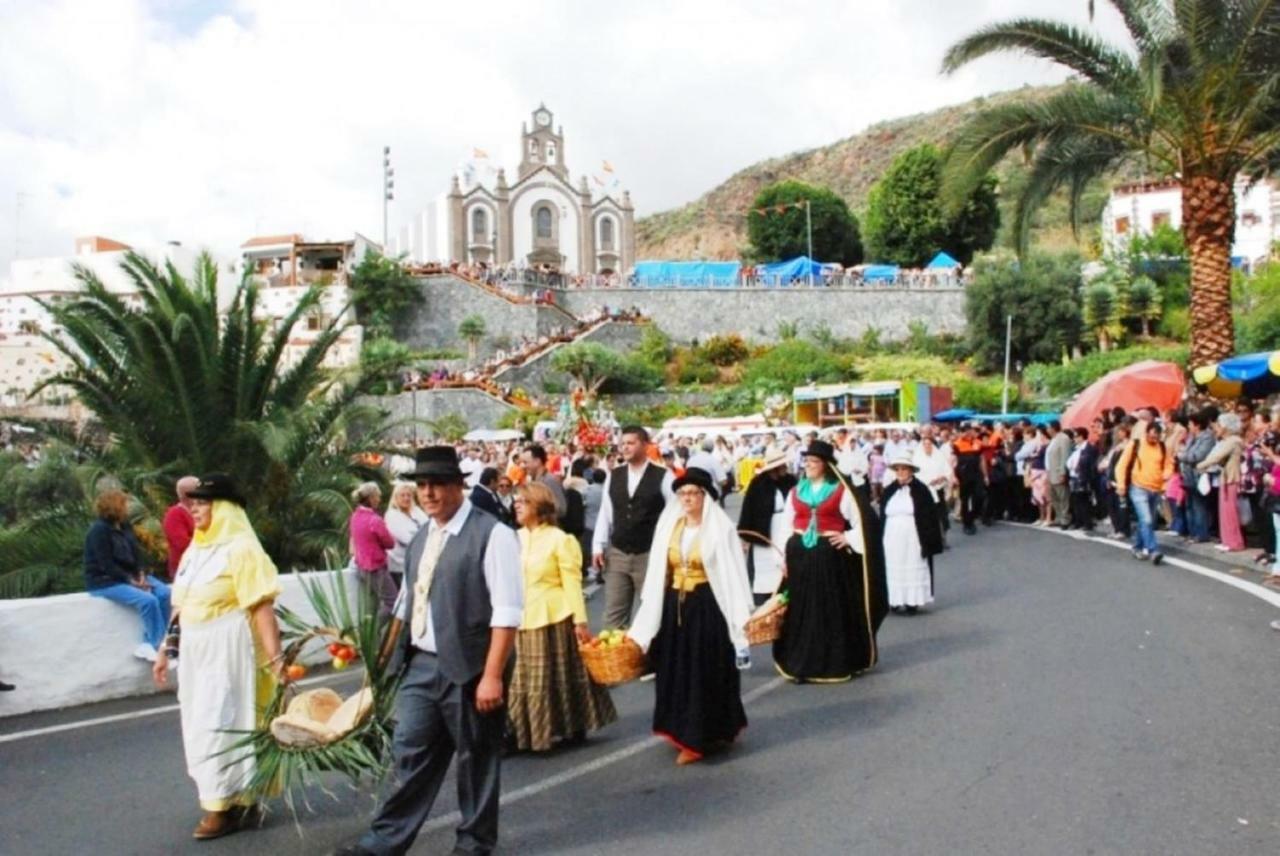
<point>540,220</point>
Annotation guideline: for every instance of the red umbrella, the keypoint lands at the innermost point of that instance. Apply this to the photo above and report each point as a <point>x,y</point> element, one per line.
<point>1149,383</point>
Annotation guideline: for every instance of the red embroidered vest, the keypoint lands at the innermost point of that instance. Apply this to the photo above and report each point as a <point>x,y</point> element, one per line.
<point>829,517</point>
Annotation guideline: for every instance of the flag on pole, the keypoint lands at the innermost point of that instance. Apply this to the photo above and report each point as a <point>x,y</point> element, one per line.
<point>608,167</point>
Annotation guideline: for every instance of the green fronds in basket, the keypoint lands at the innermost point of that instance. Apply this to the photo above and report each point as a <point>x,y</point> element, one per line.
<point>361,754</point>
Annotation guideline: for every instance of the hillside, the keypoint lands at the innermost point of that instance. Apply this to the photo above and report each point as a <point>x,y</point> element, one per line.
<point>713,226</point>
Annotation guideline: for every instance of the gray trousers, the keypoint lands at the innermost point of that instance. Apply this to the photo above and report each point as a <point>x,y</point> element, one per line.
<point>1060,499</point>
<point>436,720</point>
<point>382,588</point>
<point>623,580</point>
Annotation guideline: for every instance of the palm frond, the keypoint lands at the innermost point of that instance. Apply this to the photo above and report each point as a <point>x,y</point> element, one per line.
<point>1069,46</point>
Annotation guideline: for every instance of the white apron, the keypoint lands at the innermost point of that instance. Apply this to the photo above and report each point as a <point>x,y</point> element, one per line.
<point>907,571</point>
<point>766,560</point>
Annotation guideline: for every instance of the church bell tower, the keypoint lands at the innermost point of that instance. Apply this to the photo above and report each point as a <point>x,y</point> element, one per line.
<point>542,146</point>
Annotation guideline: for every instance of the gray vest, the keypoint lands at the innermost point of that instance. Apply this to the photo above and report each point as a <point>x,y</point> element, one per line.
<point>459,597</point>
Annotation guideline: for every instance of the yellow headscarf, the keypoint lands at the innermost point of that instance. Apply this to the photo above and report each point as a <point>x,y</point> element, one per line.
<point>229,523</point>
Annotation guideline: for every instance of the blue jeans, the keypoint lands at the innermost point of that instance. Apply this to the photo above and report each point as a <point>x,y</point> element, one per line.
<point>152,605</point>
<point>1145,509</point>
<point>1197,515</point>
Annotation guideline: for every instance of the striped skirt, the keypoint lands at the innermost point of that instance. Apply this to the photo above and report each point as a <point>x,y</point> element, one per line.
<point>551,696</point>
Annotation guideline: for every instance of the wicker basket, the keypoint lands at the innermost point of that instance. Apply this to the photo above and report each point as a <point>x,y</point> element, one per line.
<point>613,665</point>
<point>765,624</point>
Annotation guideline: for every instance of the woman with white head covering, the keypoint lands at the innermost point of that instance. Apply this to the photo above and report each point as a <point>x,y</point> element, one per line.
<point>223,596</point>
<point>693,610</point>
<point>403,518</point>
<point>912,537</point>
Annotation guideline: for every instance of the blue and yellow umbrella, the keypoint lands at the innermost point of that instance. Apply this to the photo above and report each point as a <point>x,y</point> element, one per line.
<point>1248,376</point>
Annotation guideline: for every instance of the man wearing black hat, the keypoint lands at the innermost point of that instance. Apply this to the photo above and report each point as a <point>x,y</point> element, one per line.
<point>454,630</point>
<point>634,496</point>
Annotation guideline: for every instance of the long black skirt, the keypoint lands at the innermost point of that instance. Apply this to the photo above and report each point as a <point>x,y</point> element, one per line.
<point>698,695</point>
<point>827,637</point>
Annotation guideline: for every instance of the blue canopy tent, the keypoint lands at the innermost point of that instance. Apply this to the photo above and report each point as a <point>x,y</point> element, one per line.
<point>955,414</point>
<point>655,274</point>
<point>1248,375</point>
<point>880,273</point>
<point>942,260</point>
<point>781,273</point>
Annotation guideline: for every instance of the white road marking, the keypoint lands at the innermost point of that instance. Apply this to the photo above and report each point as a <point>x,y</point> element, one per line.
<point>1260,592</point>
<point>121,717</point>
<point>452,819</point>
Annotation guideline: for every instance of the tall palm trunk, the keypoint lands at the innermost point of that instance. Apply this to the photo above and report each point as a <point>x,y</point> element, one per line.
<point>1208,223</point>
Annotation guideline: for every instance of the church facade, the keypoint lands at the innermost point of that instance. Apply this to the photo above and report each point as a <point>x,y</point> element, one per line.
<point>539,219</point>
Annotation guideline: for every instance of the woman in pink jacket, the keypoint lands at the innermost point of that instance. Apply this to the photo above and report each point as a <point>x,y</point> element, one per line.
<point>370,541</point>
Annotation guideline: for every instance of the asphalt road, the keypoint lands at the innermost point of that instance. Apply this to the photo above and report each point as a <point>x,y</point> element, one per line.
<point>1061,698</point>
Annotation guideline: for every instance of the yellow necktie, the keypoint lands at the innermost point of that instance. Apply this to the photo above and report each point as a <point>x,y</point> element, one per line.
<point>426,570</point>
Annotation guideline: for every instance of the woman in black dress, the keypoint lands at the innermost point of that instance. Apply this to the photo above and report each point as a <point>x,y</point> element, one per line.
<point>835,578</point>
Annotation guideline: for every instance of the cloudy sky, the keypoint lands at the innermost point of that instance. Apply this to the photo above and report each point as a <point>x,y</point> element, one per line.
<point>209,121</point>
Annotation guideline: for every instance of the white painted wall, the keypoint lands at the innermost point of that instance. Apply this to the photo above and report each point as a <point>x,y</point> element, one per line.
<point>75,649</point>
<point>522,205</point>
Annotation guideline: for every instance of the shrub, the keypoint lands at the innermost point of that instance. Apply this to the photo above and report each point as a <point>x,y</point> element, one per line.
<point>695,368</point>
<point>725,350</point>
<point>655,346</point>
<point>634,374</point>
<point>790,364</point>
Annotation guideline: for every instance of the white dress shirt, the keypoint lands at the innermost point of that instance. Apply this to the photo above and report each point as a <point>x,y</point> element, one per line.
<point>604,522</point>
<point>402,528</point>
<point>502,574</point>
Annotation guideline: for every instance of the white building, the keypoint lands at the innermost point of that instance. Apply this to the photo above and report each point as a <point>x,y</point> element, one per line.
<point>541,220</point>
<point>1138,208</point>
<point>286,267</point>
<point>26,357</point>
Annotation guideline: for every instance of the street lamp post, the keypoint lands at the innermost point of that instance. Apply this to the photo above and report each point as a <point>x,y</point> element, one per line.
<point>1008,341</point>
<point>808,230</point>
<point>388,190</point>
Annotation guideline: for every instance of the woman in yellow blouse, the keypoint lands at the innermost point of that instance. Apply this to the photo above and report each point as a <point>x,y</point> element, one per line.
<point>223,595</point>
<point>551,696</point>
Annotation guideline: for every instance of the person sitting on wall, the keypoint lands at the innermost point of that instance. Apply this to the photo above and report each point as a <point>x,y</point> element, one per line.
<point>113,569</point>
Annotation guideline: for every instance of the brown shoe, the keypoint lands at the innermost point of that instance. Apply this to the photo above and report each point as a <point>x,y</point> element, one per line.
<point>215,824</point>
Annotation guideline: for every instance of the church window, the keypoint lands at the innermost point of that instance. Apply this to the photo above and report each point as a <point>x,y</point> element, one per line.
<point>533,148</point>
<point>606,233</point>
<point>479,225</point>
<point>543,216</point>
<point>551,151</point>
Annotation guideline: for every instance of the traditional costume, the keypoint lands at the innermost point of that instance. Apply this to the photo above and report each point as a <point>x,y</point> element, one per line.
<point>551,696</point>
<point>693,608</point>
<point>837,596</point>
<point>763,524</point>
<point>224,684</point>
<point>912,537</point>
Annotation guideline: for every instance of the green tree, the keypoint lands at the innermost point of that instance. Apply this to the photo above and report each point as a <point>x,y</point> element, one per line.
<point>1144,302</point>
<point>906,222</point>
<point>1196,96</point>
<point>381,291</point>
<point>781,235</point>
<point>180,390</point>
<point>590,364</point>
<point>1041,292</point>
<point>472,329</point>
<point>1102,313</point>
<point>792,363</point>
<point>381,361</point>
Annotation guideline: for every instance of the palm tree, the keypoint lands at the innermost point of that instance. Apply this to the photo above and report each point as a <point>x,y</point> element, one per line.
<point>472,329</point>
<point>1101,304</point>
<point>1144,302</point>
<point>180,390</point>
<point>1196,96</point>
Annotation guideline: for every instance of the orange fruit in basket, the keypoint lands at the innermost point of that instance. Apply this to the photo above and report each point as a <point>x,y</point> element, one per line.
<point>295,672</point>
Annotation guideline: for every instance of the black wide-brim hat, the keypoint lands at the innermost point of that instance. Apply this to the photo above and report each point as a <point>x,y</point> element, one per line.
<point>436,462</point>
<point>698,478</point>
<point>822,449</point>
<point>215,486</point>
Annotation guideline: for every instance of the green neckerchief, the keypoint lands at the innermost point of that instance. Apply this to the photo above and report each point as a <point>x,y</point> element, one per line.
<point>813,497</point>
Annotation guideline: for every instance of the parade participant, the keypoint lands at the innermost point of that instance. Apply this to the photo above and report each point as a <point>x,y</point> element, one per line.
<point>835,577</point>
<point>551,696</point>
<point>933,467</point>
<point>635,494</point>
<point>113,570</point>
<point>912,537</point>
<point>224,597</point>
<point>462,600</point>
<point>370,541</point>
<point>693,610</point>
<point>971,474</point>
<point>763,524</point>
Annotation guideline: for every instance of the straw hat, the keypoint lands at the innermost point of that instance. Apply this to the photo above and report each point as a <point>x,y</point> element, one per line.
<point>903,460</point>
<point>775,458</point>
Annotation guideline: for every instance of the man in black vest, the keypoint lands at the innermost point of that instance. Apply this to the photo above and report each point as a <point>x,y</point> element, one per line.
<point>456,620</point>
<point>634,496</point>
